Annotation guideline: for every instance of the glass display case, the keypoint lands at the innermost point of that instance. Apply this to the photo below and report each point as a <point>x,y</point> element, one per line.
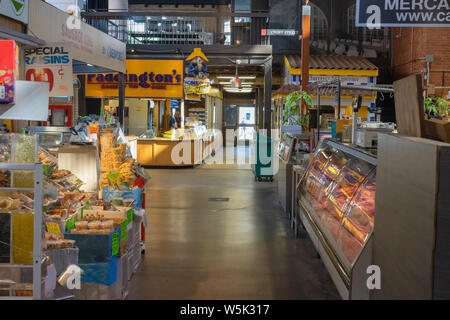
<point>337,195</point>
<point>52,136</point>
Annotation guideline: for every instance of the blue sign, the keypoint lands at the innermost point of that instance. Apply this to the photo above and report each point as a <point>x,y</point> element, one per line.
<point>402,13</point>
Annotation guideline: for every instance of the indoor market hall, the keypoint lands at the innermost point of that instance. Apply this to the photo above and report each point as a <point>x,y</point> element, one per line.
<point>216,233</point>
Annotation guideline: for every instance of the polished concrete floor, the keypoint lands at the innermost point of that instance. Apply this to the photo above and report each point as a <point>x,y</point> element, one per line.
<point>237,249</point>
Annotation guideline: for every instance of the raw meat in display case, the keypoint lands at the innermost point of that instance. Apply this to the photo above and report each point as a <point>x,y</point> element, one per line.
<point>348,244</point>
<point>324,170</point>
<point>347,184</point>
<point>362,209</point>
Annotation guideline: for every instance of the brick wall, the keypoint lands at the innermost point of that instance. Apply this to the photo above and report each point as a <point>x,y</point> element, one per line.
<point>411,45</point>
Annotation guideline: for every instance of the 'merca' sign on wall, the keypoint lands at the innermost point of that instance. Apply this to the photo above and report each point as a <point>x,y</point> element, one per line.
<point>402,13</point>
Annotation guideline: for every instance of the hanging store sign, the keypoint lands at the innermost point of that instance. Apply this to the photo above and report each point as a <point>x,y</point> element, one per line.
<point>196,86</point>
<point>15,9</point>
<point>196,81</point>
<point>52,64</point>
<point>89,45</point>
<point>279,32</point>
<point>8,70</point>
<point>402,13</point>
<point>144,79</point>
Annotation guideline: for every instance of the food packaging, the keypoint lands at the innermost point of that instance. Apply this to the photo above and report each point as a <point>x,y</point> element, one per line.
<point>94,225</point>
<point>109,224</point>
<point>81,225</point>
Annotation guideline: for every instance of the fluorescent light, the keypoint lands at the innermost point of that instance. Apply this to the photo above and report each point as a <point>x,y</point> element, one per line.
<point>89,65</point>
<point>224,83</point>
<point>236,90</point>
<point>232,77</point>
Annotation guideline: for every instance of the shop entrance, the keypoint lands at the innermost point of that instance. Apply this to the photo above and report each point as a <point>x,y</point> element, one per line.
<point>242,119</point>
<point>247,122</point>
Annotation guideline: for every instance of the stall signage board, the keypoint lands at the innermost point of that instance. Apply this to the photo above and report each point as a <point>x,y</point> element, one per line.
<point>402,13</point>
<point>144,79</point>
<point>8,70</point>
<point>52,64</point>
<point>89,45</point>
<point>15,9</point>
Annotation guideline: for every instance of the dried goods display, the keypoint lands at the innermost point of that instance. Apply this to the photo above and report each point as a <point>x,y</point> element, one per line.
<point>339,191</point>
<point>117,170</point>
<point>5,147</point>
<point>24,150</point>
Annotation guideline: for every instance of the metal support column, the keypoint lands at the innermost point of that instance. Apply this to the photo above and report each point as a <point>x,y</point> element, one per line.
<point>339,98</point>
<point>268,96</point>
<point>37,234</point>
<point>121,108</point>
<point>318,116</point>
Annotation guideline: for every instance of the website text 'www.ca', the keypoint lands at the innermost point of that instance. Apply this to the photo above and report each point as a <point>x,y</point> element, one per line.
<point>443,17</point>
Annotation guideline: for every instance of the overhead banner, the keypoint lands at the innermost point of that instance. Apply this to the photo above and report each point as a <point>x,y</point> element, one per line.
<point>15,9</point>
<point>144,79</point>
<point>89,45</point>
<point>402,13</point>
<point>52,64</point>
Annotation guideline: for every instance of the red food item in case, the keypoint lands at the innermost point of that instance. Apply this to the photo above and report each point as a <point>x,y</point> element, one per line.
<point>349,245</point>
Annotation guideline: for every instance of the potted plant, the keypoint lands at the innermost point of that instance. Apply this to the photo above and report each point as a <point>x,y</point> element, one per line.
<point>291,113</point>
<point>436,108</point>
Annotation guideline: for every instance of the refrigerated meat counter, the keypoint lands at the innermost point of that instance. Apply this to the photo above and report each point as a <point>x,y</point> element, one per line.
<point>336,197</point>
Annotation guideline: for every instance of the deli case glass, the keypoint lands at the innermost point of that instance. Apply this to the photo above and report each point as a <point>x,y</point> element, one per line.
<point>337,204</point>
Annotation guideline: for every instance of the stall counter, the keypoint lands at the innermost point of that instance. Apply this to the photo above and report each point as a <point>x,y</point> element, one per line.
<point>158,151</point>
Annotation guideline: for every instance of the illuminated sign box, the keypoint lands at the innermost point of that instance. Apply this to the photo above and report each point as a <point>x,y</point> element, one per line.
<point>144,79</point>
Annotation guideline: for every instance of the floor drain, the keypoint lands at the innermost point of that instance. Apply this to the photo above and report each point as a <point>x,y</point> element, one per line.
<point>219,199</point>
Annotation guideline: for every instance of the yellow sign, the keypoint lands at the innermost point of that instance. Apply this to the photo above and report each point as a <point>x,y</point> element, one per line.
<point>144,79</point>
<point>53,228</point>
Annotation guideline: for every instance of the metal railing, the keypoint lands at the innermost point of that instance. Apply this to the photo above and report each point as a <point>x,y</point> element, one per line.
<point>202,28</point>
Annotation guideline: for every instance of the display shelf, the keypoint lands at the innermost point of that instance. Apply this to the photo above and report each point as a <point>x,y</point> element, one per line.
<point>337,202</point>
<point>37,223</point>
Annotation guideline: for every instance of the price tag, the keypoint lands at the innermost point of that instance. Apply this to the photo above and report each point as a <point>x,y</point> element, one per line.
<point>123,231</point>
<point>115,244</point>
<point>53,228</point>
<point>130,215</point>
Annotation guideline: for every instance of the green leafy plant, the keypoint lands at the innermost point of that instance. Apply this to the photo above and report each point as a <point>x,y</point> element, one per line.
<point>291,113</point>
<point>437,107</point>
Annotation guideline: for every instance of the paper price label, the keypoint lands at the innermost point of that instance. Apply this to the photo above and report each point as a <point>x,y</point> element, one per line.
<point>53,228</point>
<point>115,244</point>
<point>130,215</point>
<point>123,231</point>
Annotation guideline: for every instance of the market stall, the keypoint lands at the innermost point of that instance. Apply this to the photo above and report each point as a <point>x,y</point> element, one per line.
<point>177,148</point>
<point>99,235</point>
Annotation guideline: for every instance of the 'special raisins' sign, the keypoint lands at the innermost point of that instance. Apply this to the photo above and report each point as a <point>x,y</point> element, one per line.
<point>402,13</point>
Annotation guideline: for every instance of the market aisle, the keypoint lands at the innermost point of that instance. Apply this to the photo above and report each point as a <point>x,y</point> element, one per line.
<point>237,249</point>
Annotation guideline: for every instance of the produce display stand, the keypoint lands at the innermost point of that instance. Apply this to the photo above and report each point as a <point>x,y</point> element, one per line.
<point>37,225</point>
<point>105,237</point>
